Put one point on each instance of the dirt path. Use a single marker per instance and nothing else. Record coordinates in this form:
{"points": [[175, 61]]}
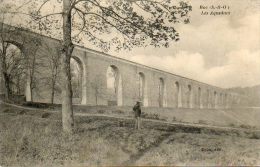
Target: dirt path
{"points": [[135, 157], [145, 120]]}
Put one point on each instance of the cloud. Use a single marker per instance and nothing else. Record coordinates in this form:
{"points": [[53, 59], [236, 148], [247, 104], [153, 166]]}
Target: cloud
{"points": [[218, 36], [241, 69], [221, 51]]}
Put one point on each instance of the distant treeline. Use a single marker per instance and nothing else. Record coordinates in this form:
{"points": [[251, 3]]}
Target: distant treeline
{"points": [[252, 94]]}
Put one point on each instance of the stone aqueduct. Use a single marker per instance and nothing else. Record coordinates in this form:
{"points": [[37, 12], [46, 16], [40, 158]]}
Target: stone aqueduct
{"points": [[133, 81]]}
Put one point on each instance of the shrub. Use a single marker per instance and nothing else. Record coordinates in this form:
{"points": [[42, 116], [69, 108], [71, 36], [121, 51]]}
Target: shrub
{"points": [[7, 110], [151, 116], [246, 126], [232, 125], [46, 115], [144, 115], [121, 123], [254, 135], [202, 122], [101, 111], [118, 111], [22, 112], [174, 119]]}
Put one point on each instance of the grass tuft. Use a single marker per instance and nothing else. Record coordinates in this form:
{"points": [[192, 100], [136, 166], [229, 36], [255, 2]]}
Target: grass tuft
{"points": [[46, 115]]}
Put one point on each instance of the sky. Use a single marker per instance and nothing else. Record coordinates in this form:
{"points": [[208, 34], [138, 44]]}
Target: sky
{"points": [[222, 50]]}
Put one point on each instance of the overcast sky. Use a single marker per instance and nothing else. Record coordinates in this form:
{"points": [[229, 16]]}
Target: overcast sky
{"points": [[219, 50]]}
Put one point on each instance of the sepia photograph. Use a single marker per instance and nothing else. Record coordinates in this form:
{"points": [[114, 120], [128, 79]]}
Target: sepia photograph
{"points": [[129, 83]]}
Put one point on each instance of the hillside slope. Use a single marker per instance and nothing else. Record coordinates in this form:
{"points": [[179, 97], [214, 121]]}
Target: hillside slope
{"points": [[252, 94], [33, 138]]}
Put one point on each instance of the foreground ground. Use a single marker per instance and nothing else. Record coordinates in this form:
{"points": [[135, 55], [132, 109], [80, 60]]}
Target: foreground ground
{"points": [[33, 138]]}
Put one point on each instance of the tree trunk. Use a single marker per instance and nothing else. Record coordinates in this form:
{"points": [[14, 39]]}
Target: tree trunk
{"points": [[4, 72], [32, 75], [7, 87], [53, 83], [18, 85], [96, 93], [31, 90], [67, 48]]}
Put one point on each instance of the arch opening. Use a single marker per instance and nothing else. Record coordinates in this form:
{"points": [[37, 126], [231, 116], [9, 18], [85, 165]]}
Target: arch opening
{"points": [[76, 70], [114, 86], [161, 93], [13, 71], [220, 100], [225, 101], [215, 100], [208, 99], [199, 98], [142, 89], [189, 97], [178, 95]]}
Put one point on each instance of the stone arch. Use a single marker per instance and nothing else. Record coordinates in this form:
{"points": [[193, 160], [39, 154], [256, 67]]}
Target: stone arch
{"points": [[208, 99], [220, 100], [142, 89], [228, 101], [178, 95], [17, 79], [114, 86], [162, 93], [189, 97], [17, 44], [215, 102], [225, 101], [199, 98], [27, 49], [79, 90]]}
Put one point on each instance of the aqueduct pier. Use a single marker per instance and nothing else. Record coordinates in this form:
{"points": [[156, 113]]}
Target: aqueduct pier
{"points": [[132, 81]]}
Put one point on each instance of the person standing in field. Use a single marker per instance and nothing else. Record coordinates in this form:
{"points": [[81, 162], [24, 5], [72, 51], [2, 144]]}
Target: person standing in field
{"points": [[137, 112]]}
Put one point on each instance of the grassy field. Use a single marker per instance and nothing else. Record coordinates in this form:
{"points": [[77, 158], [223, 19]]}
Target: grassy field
{"points": [[232, 117], [34, 138]]}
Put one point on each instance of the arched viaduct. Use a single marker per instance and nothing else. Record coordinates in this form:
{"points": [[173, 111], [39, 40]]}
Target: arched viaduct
{"points": [[131, 81]]}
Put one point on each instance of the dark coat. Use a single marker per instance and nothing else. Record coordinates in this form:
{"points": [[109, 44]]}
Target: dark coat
{"points": [[137, 110]]}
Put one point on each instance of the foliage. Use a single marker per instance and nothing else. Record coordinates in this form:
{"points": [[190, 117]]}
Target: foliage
{"points": [[121, 24]]}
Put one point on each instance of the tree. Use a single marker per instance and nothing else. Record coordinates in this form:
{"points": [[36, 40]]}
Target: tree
{"points": [[97, 86], [54, 64], [51, 56], [13, 70], [32, 65], [130, 23]]}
